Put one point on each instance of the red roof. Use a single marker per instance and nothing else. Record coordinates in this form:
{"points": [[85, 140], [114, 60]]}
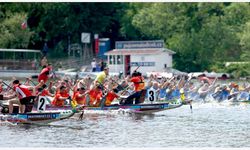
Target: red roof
{"points": [[134, 51]]}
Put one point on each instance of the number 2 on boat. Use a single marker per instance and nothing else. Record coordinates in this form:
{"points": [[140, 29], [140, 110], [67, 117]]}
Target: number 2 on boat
{"points": [[41, 106]]}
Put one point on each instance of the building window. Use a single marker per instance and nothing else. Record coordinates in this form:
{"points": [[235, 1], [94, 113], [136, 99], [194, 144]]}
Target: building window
{"points": [[110, 60], [113, 59], [119, 59], [165, 66]]}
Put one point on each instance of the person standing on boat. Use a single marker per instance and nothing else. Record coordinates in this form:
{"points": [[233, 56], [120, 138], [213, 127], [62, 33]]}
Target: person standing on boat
{"points": [[24, 94], [101, 76], [139, 90], [93, 65], [45, 73]]}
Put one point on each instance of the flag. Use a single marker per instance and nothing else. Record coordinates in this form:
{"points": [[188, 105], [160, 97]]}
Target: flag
{"points": [[24, 25]]}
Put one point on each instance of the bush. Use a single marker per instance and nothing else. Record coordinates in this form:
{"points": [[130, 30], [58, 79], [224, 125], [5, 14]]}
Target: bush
{"points": [[236, 70]]}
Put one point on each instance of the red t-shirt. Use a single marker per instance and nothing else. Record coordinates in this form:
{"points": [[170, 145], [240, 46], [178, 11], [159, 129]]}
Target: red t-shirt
{"points": [[79, 100], [110, 97], [138, 83], [44, 75], [56, 101], [95, 95], [22, 91]]}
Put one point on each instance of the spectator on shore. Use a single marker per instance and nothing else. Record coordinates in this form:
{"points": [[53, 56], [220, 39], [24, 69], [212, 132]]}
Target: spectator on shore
{"points": [[45, 49], [93, 65], [44, 62], [102, 65]]}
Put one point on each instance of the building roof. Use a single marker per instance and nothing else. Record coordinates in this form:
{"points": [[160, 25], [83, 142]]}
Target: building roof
{"points": [[20, 50], [138, 51]]}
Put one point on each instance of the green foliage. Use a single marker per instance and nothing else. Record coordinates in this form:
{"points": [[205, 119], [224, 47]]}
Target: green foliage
{"points": [[203, 35], [239, 70], [11, 34], [244, 42]]}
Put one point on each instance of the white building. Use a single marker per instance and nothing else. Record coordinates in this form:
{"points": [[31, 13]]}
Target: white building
{"points": [[146, 56]]}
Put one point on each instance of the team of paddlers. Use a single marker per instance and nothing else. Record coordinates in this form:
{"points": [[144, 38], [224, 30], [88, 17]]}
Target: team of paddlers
{"points": [[104, 89]]}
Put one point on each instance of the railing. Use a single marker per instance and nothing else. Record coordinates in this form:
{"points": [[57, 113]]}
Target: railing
{"points": [[24, 64], [21, 64]]}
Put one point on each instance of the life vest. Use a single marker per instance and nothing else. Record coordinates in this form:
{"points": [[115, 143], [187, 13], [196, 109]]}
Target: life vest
{"points": [[79, 100], [22, 91], [110, 97], [138, 82], [57, 102], [94, 97]]}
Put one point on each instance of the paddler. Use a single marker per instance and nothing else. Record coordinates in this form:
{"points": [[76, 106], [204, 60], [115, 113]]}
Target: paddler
{"points": [[61, 96], [79, 96], [139, 84], [95, 96], [45, 73], [111, 96], [25, 97]]}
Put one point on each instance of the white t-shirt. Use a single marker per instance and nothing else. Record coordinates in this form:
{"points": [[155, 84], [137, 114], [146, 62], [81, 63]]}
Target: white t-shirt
{"points": [[93, 64]]}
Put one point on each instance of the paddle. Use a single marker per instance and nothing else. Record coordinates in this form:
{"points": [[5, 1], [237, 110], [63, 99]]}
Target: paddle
{"points": [[81, 116], [32, 82], [103, 99], [190, 102], [8, 85], [183, 100], [137, 68]]}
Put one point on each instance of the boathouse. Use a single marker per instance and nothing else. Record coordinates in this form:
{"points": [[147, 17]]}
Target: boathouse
{"points": [[146, 56]]}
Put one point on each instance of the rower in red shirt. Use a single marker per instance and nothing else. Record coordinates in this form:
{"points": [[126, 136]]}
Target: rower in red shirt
{"points": [[45, 73], [110, 97], [60, 97], [95, 96], [24, 95], [80, 96]]}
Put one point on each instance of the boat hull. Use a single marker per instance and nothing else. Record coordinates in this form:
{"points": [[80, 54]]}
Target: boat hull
{"points": [[138, 108], [37, 117]]}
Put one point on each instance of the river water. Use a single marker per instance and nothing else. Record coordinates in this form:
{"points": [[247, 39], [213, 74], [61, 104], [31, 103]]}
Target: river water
{"points": [[209, 125]]}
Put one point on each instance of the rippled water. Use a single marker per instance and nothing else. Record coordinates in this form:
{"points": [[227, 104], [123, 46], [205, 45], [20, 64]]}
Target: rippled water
{"points": [[210, 125]]}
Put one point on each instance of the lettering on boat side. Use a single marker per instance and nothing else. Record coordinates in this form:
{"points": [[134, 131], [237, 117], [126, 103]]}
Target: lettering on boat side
{"points": [[47, 116]]}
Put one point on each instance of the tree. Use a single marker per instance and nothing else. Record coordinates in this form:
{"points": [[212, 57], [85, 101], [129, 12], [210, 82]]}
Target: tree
{"points": [[11, 33], [245, 42]]}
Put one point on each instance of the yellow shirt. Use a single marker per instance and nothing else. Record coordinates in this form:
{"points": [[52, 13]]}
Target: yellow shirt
{"points": [[100, 77]]}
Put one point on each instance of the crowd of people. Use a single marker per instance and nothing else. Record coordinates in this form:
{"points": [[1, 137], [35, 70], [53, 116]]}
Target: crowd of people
{"points": [[104, 89]]}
